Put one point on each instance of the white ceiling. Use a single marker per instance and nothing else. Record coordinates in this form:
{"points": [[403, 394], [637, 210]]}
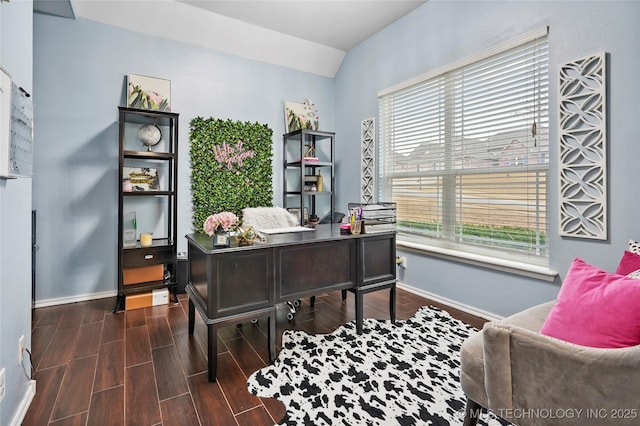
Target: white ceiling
{"points": [[308, 35], [338, 24]]}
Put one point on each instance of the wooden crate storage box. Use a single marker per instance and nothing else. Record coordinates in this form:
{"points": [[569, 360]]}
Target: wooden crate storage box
{"points": [[138, 300], [143, 274], [159, 296]]}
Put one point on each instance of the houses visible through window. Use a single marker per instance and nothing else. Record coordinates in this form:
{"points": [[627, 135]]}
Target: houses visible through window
{"points": [[464, 152]]}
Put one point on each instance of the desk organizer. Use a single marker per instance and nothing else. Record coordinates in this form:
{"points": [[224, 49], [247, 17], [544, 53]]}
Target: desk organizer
{"points": [[377, 217]]}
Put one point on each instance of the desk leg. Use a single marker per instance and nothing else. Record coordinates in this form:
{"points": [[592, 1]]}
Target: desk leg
{"points": [[359, 310], [392, 304], [192, 316], [212, 350], [271, 336]]}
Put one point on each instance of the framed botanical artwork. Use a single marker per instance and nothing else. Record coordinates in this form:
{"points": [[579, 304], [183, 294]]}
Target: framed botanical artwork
{"points": [[300, 115], [148, 93]]}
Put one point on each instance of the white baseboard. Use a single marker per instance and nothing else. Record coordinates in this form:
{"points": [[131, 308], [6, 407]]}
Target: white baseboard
{"points": [[74, 299], [24, 404], [461, 306]]}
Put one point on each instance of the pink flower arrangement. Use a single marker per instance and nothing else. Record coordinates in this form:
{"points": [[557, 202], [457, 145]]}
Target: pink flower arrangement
{"points": [[225, 220]]}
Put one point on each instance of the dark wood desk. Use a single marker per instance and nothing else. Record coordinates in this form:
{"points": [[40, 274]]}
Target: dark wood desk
{"points": [[237, 284]]}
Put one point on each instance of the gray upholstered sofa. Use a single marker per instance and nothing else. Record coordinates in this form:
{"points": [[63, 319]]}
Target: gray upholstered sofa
{"points": [[532, 379]]}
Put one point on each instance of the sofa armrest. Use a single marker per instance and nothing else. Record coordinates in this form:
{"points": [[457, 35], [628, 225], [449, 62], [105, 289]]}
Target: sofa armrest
{"points": [[527, 370]]}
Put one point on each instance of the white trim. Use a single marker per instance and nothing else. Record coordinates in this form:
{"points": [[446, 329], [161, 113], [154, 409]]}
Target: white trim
{"points": [[460, 306], [24, 404], [524, 38], [74, 299], [511, 266]]}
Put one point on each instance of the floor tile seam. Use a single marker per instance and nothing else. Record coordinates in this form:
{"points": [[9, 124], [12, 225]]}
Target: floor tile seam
{"points": [[175, 396], [265, 362], [57, 398], [70, 416], [95, 392], [251, 409]]}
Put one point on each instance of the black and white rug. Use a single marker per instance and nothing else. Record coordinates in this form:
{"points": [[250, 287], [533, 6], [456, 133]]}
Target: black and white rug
{"points": [[402, 374]]}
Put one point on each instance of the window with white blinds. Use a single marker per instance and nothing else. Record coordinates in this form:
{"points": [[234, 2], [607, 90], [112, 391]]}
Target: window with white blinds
{"points": [[464, 153]]}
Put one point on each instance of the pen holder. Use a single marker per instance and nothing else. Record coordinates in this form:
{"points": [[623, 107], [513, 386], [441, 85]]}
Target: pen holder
{"points": [[357, 227]]}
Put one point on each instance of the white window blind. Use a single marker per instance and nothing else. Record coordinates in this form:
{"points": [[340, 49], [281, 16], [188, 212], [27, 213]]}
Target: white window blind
{"points": [[464, 153]]}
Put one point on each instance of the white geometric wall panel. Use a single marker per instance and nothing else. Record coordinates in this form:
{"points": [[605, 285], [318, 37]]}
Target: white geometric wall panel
{"points": [[367, 161], [583, 148]]}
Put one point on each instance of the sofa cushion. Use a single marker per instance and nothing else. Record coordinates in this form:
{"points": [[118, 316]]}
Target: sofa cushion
{"points": [[630, 262], [596, 309], [634, 274], [634, 247]]}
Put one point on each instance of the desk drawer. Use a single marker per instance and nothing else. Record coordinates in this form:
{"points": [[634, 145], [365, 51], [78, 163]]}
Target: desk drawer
{"points": [[147, 256]]}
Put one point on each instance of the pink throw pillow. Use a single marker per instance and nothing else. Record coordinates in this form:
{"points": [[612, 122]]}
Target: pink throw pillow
{"points": [[596, 309], [630, 262]]}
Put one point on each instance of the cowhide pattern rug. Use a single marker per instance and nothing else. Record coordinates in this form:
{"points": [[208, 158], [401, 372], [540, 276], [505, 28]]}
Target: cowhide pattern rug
{"points": [[402, 374]]}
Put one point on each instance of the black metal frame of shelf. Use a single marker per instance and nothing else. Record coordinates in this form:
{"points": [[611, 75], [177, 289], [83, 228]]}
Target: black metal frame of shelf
{"points": [[164, 248], [314, 138]]}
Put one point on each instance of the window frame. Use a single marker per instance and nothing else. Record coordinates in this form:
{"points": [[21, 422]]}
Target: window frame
{"points": [[536, 265]]}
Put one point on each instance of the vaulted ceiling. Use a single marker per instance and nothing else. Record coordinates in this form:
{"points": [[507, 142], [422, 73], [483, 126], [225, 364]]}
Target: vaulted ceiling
{"points": [[308, 35]]}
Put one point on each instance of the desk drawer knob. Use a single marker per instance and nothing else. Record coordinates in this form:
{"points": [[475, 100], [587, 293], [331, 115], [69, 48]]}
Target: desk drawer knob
{"points": [[148, 256]]}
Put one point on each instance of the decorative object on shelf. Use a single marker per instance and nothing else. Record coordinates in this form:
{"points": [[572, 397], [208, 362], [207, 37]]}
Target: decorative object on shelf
{"points": [[583, 148], [218, 225], [310, 183], [148, 93], [150, 135], [146, 240], [129, 229], [367, 159], [214, 146], [245, 236], [310, 153], [300, 115], [141, 178], [127, 186]]}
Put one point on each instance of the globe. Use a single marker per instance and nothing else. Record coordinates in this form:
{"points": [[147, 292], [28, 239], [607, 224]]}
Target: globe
{"points": [[149, 135]]}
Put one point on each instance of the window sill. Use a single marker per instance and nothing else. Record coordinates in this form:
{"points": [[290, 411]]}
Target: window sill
{"points": [[514, 267]]}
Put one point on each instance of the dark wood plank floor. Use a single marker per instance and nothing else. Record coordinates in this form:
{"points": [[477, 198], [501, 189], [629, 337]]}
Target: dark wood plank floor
{"points": [[141, 367]]}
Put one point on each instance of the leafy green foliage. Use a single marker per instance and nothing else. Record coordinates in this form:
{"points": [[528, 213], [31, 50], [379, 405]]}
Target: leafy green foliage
{"points": [[496, 233], [217, 186]]}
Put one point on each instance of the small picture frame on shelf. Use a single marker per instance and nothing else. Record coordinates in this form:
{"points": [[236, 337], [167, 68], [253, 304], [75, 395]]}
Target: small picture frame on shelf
{"points": [[139, 179], [150, 93]]}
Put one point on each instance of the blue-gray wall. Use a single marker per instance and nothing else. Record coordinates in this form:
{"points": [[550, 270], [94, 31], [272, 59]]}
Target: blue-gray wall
{"points": [[79, 76], [15, 226], [441, 32]]}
